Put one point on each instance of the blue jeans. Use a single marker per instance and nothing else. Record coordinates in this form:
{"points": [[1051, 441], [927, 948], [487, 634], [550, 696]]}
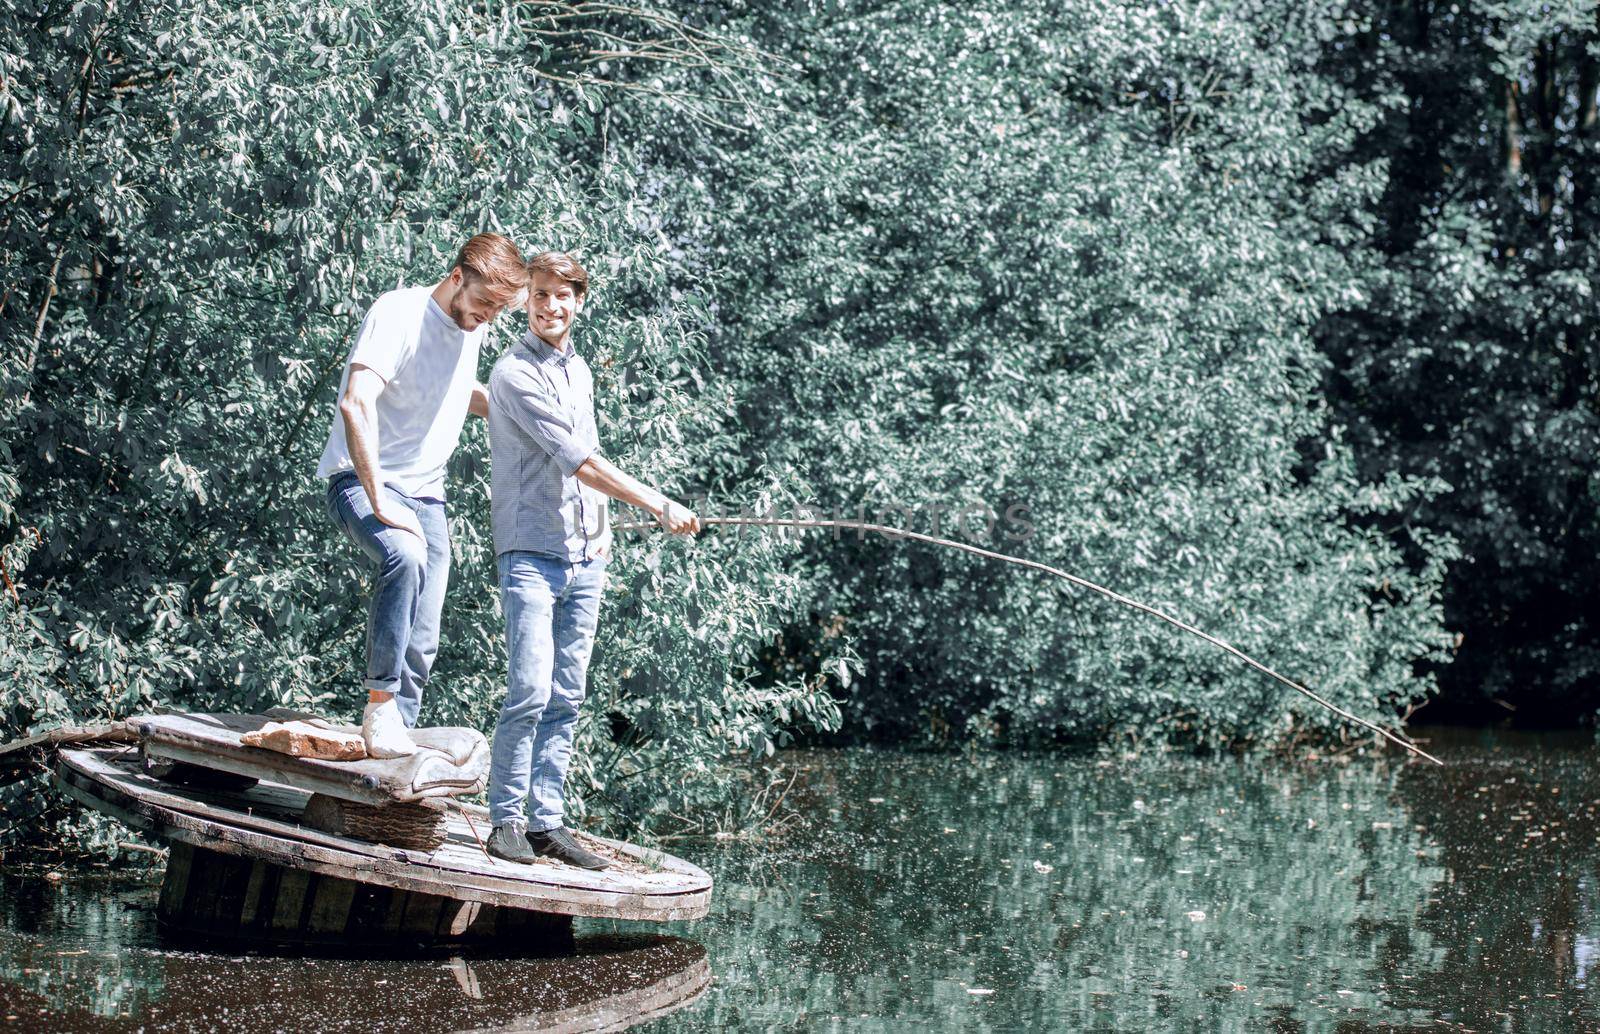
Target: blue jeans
{"points": [[552, 610], [409, 580]]}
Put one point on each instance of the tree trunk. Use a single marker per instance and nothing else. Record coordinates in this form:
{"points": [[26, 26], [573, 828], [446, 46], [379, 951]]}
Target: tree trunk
{"points": [[38, 326], [1513, 152], [1586, 143]]}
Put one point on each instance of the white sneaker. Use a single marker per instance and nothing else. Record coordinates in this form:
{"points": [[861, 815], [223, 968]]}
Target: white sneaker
{"points": [[384, 731]]}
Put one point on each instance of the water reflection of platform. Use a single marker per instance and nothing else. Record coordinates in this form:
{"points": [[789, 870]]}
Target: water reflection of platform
{"points": [[607, 983], [243, 865]]}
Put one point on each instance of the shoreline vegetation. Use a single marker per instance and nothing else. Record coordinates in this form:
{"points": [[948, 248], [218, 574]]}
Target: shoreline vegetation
{"points": [[1278, 317]]}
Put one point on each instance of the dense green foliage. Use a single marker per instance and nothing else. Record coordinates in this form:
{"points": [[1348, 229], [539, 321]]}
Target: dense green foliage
{"points": [[1472, 353], [1065, 260], [1073, 259], [204, 200]]}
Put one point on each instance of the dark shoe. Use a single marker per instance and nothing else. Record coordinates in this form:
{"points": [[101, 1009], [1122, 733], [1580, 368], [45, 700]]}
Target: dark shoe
{"points": [[510, 842], [559, 844]]}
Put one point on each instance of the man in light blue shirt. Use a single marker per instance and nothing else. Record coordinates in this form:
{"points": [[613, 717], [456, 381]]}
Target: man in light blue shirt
{"points": [[550, 487]]}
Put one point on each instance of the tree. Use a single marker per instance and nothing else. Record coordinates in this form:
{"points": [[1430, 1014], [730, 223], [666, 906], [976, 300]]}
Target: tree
{"points": [[1057, 258], [1468, 350]]}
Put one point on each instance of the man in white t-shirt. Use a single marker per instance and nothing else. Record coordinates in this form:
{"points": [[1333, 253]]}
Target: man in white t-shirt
{"points": [[408, 385]]}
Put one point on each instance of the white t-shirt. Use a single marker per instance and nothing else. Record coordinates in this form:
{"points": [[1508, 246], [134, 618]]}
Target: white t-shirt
{"points": [[430, 367]]}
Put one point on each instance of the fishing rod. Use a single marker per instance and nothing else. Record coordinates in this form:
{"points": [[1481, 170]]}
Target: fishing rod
{"points": [[1145, 608]]}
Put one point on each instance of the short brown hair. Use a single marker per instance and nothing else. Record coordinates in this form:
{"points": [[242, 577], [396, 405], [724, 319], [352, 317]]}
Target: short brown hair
{"points": [[494, 261], [562, 265]]}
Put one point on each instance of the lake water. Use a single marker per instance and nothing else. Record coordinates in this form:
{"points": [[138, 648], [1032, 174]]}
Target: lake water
{"points": [[994, 892]]}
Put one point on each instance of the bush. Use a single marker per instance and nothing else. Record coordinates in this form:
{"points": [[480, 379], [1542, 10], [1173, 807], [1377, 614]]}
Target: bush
{"points": [[1068, 258]]}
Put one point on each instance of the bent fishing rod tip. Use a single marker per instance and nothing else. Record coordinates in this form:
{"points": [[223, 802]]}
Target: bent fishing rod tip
{"points": [[1084, 583]]}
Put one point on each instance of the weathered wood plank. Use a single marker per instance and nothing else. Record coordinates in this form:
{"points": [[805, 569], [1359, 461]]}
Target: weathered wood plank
{"points": [[114, 732], [289, 909], [21, 758], [457, 918], [330, 908], [110, 791], [212, 741], [263, 886], [233, 884], [175, 884], [394, 914], [199, 893], [422, 915], [271, 883], [349, 787]]}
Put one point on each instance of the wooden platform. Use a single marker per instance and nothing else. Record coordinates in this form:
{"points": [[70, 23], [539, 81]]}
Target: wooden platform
{"points": [[456, 763], [261, 824]]}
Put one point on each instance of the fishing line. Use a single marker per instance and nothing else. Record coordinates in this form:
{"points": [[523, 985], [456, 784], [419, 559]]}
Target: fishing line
{"points": [[882, 529]]}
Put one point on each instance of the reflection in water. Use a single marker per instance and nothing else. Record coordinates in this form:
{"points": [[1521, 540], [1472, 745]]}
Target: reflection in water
{"points": [[999, 892], [1050, 893], [85, 956]]}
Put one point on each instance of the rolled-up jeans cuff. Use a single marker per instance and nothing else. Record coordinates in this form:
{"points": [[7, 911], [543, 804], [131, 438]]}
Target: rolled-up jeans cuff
{"points": [[407, 701]]}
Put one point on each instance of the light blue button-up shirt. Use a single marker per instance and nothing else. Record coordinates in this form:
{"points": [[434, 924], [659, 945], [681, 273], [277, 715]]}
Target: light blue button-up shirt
{"points": [[541, 429]]}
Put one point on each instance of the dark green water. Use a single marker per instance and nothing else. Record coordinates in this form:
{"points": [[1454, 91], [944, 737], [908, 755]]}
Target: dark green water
{"points": [[996, 893]]}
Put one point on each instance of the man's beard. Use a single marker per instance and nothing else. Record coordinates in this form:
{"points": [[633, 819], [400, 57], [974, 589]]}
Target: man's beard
{"points": [[550, 335]]}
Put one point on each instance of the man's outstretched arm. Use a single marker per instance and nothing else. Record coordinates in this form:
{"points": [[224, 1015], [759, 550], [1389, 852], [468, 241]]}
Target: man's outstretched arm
{"points": [[602, 475]]}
